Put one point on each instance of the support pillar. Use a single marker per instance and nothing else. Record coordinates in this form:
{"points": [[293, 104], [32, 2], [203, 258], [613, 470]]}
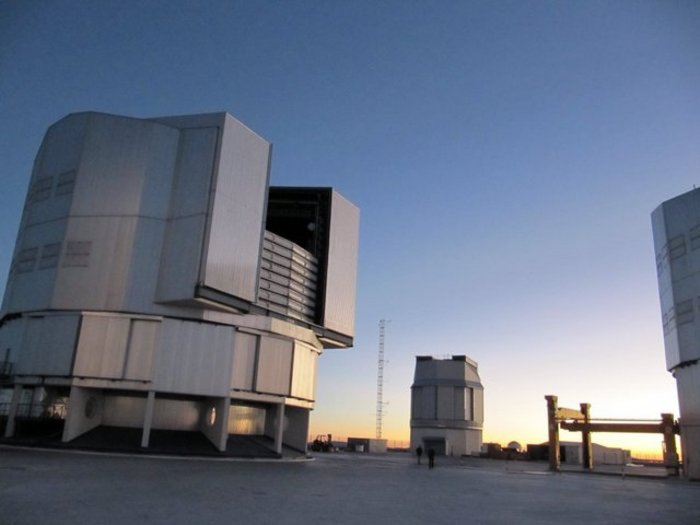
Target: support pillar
{"points": [[553, 427], [670, 453], [14, 405], [586, 442], [279, 431], [148, 419]]}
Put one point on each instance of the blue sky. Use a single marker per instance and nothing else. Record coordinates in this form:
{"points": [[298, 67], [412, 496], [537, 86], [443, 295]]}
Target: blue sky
{"points": [[505, 156]]}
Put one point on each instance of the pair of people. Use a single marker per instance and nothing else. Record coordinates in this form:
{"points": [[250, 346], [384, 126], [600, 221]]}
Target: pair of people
{"points": [[431, 456]]}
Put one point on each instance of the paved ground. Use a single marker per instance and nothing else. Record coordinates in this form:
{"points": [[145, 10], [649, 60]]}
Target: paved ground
{"points": [[60, 487]]}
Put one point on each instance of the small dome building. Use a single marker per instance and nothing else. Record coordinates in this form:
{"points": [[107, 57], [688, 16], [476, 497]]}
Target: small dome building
{"points": [[447, 406]]}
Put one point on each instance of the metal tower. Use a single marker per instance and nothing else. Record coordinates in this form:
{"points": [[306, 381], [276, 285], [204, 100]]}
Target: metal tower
{"points": [[380, 379]]}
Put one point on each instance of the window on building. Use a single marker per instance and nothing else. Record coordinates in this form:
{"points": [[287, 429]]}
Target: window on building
{"points": [[49, 255], [26, 260], [66, 182], [676, 247], [684, 312], [77, 253], [41, 189]]}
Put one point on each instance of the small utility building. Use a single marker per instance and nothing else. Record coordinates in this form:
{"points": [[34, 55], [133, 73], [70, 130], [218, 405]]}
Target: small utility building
{"points": [[447, 406]]}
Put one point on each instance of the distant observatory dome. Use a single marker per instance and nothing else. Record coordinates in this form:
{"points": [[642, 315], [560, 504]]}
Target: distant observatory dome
{"points": [[514, 445]]}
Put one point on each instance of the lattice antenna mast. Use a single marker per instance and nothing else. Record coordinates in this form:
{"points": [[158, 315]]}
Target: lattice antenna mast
{"points": [[380, 379]]}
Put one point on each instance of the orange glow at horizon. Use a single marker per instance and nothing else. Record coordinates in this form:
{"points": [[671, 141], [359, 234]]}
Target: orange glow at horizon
{"points": [[397, 433]]}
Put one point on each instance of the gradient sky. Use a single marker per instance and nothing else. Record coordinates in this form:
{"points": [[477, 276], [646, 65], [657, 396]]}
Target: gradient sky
{"points": [[505, 156]]}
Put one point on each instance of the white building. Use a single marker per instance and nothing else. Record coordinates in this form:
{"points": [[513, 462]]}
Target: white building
{"points": [[572, 453], [158, 283], [447, 406], [676, 226]]}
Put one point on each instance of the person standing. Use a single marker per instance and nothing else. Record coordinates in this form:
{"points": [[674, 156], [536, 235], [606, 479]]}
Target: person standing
{"points": [[431, 458], [419, 453]]}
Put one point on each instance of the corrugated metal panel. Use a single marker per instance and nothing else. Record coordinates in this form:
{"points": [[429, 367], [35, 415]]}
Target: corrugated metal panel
{"points": [[303, 286], [298, 274], [244, 355], [304, 372], [143, 341], [341, 274], [288, 279], [274, 366], [235, 227], [287, 301], [102, 347], [194, 358], [48, 345]]}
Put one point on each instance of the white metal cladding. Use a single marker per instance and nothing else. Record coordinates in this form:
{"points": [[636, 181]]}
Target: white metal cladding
{"points": [[159, 173], [459, 403], [144, 338], [427, 402], [31, 288], [102, 346], [478, 404], [180, 259], [113, 166], [193, 173], [187, 216], [194, 358], [341, 276], [445, 403], [304, 372], [144, 267], [47, 348], [676, 228], [244, 357], [274, 366], [95, 275], [237, 216], [62, 147]]}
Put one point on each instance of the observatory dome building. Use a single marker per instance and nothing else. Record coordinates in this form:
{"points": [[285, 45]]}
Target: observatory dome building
{"points": [[159, 286], [676, 228], [447, 406]]}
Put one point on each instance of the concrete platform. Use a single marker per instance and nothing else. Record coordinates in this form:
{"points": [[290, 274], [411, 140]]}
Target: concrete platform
{"points": [[62, 487]]}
